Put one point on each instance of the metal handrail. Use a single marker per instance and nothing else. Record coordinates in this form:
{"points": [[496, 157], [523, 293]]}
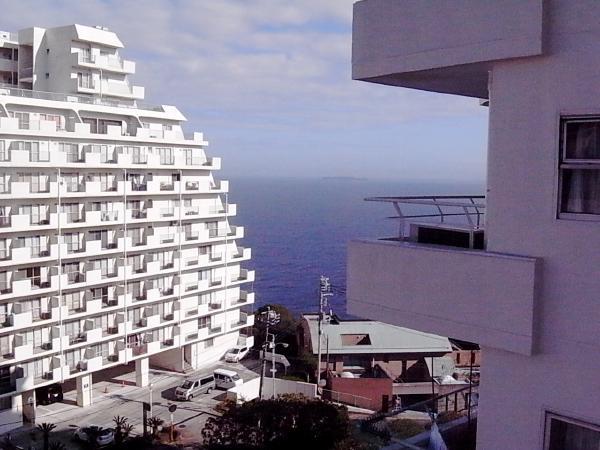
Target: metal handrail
{"points": [[470, 207], [72, 98]]}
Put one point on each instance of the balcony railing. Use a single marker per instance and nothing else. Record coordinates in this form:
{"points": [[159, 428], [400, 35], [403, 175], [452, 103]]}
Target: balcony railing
{"points": [[440, 220], [7, 89]]}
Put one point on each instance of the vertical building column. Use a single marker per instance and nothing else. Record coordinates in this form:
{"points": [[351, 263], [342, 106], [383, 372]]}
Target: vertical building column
{"points": [[16, 413], [84, 390], [142, 369]]}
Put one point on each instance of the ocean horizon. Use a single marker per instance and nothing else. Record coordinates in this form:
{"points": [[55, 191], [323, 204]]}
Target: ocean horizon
{"points": [[299, 229]]}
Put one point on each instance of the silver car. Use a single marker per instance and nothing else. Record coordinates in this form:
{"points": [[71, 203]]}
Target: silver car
{"points": [[195, 386]]}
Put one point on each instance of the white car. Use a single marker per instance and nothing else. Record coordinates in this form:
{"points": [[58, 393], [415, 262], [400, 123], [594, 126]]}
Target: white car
{"points": [[236, 353], [106, 436]]}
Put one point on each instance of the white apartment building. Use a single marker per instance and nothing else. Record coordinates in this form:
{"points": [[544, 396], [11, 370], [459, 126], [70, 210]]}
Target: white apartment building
{"points": [[115, 238], [523, 279]]}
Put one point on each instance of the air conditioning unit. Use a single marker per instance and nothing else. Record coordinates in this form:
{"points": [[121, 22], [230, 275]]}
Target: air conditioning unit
{"points": [[452, 235]]}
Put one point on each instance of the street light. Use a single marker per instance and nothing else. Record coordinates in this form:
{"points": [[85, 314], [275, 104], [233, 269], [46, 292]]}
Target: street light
{"points": [[150, 387]]}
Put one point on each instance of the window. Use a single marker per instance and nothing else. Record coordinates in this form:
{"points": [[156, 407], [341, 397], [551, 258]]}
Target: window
{"points": [[72, 212], [100, 126], [38, 181], [85, 80], [32, 242], [35, 155], [106, 155], [209, 343], [138, 155], [166, 156], [203, 322], [105, 266], [53, 118], [579, 167], [3, 249], [71, 180], [107, 182], [36, 213], [72, 151], [34, 275], [100, 293], [73, 242], [4, 183], [563, 433], [22, 117], [4, 154], [73, 301], [3, 281]]}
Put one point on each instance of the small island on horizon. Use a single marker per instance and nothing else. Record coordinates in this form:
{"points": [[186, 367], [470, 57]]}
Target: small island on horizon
{"points": [[344, 179]]}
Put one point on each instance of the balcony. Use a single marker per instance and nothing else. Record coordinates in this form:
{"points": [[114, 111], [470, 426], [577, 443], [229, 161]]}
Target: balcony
{"points": [[443, 49], [436, 276], [75, 277], [109, 63], [83, 99]]}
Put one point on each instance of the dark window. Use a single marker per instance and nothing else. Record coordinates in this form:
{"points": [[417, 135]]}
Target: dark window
{"points": [[580, 166], [569, 434]]}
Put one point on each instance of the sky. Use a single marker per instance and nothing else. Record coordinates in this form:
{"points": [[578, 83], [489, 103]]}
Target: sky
{"points": [[269, 83]]}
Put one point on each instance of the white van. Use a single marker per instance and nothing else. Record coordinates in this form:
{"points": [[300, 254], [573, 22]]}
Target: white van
{"points": [[196, 386], [226, 379]]}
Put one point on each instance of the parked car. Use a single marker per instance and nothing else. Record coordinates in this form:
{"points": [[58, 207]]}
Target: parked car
{"points": [[226, 379], [195, 386], [106, 436], [236, 353], [49, 394]]}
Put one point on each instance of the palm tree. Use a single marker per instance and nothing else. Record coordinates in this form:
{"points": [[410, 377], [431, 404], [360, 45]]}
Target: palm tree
{"points": [[46, 429], [154, 423], [7, 443], [122, 429], [57, 446]]}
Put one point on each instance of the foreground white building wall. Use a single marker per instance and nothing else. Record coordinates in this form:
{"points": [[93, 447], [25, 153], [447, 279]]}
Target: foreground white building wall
{"points": [[538, 63]]}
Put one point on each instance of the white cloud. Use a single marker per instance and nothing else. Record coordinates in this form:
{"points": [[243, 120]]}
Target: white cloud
{"points": [[269, 64]]}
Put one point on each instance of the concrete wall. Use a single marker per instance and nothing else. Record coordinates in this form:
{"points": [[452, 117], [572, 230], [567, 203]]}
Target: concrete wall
{"points": [[400, 42], [361, 392], [527, 98], [471, 295], [250, 389]]}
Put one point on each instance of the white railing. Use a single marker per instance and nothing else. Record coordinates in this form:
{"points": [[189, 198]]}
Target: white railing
{"points": [[467, 210], [7, 89]]}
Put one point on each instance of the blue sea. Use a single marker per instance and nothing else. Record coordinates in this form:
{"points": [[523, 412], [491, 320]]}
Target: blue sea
{"points": [[298, 229]]}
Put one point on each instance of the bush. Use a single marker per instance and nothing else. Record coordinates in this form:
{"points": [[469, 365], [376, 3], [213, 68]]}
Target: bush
{"points": [[289, 421], [293, 378], [405, 428], [448, 416]]}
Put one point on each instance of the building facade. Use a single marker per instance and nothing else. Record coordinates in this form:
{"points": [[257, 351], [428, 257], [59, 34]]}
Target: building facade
{"points": [[522, 281], [115, 238]]}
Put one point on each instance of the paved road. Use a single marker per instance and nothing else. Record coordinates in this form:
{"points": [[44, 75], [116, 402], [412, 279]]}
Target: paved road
{"points": [[111, 399]]}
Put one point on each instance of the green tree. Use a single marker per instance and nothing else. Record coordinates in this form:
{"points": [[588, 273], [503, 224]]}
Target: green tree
{"points": [[46, 429], [289, 421]]}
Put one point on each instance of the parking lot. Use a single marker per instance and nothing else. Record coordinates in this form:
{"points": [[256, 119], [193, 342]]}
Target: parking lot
{"points": [[115, 394]]}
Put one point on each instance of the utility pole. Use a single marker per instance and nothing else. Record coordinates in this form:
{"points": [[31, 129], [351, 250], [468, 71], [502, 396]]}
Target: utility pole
{"points": [[269, 317], [324, 293]]}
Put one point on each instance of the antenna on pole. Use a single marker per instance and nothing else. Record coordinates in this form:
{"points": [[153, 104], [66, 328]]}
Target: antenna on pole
{"points": [[324, 315]]}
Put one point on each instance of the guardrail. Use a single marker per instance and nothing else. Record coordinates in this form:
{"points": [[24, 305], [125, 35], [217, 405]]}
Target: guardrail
{"points": [[7, 89], [469, 208]]}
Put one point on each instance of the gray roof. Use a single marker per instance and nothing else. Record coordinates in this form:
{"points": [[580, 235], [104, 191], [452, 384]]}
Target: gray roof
{"points": [[383, 338]]}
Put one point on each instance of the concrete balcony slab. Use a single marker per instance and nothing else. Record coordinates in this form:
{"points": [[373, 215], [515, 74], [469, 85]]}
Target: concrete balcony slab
{"points": [[473, 295]]}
